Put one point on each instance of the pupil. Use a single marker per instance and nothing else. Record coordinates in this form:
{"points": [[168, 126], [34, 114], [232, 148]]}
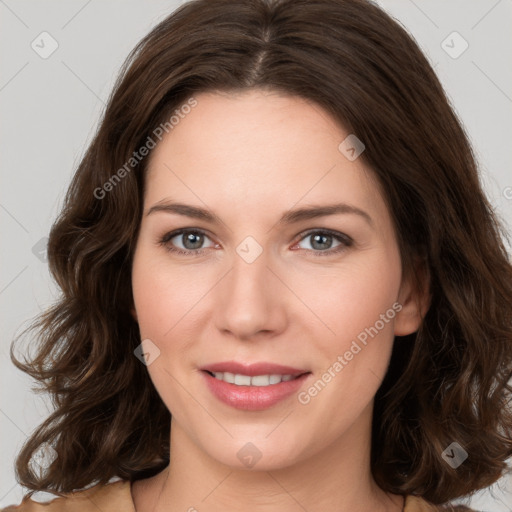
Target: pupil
{"points": [[321, 237], [190, 238]]}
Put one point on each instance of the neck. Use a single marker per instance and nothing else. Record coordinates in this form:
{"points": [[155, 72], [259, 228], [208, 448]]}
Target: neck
{"points": [[334, 480]]}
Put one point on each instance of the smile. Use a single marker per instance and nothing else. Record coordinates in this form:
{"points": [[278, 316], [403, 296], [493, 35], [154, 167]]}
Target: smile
{"points": [[257, 380], [253, 392]]}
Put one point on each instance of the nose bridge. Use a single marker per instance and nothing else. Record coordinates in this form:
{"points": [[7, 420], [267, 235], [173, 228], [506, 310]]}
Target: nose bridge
{"points": [[250, 275], [248, 302]]}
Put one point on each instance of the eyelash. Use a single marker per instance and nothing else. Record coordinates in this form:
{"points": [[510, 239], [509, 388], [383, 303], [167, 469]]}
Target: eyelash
{"points": [[345, 240]]}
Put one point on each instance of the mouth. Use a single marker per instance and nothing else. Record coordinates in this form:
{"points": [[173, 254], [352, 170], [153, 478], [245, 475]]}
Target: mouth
{"points": [[253, 392], [264, 380]]}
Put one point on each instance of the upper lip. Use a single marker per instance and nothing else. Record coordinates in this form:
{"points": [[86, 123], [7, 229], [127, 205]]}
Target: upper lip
{"points": [[261, 368]]}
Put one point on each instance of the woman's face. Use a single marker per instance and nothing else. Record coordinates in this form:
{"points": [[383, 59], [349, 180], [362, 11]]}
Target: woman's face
{"points": [[320, 294]]}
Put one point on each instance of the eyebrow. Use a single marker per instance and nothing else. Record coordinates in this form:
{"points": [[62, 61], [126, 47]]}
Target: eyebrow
{"points": [[289, 217]]}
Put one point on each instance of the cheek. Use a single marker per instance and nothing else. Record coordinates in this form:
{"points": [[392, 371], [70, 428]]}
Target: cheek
{"points": [[147, 295], [359, 353], [348, 299], [164, 299], [164, 294], [352, 361]]}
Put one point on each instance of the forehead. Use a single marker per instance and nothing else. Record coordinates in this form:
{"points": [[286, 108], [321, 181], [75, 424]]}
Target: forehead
{"points": [[258, 149]]}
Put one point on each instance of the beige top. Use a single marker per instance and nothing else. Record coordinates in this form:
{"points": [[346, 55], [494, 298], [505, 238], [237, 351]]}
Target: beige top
{"points": [[117, 497]]}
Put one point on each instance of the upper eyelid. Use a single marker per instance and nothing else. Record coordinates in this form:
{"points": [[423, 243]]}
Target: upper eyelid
{"points": [[299, 237]]}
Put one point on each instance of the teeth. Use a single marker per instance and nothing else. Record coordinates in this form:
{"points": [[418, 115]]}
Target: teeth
{"points": [[257, 380], [242, 380], [228, 377]]}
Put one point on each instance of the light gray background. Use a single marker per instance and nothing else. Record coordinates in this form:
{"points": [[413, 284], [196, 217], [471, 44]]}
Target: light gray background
{"points": [[50, 108]]}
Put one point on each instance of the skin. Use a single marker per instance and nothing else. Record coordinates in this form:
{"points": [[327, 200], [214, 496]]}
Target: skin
{"points": [[249, 158]]}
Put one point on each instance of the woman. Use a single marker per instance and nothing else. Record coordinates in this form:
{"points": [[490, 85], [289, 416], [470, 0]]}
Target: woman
{"points": [[282, 285]]}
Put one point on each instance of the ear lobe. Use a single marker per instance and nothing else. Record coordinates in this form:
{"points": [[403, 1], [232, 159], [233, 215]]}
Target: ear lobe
{"points": [[415, 298]]}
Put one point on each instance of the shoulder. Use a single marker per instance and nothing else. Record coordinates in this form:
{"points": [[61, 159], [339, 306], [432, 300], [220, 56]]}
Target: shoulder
{"points": [[110, 497], [417, 504]]}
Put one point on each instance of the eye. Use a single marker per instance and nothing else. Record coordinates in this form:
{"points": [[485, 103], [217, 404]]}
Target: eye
{"points": [[192, 240], [322, 240]]}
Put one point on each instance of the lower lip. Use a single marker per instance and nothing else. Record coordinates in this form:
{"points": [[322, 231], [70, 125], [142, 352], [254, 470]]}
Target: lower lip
{"points": [[252, 398]]}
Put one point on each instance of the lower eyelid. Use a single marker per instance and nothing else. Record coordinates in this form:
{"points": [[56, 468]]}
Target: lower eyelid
{"points": [[344, 241]]}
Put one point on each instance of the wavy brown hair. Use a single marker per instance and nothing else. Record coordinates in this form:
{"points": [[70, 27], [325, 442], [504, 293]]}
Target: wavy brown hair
{"points": [[447, 382]]}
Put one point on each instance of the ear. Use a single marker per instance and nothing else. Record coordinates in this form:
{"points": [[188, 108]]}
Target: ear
{"points": [[134, 313], [415, 298]]}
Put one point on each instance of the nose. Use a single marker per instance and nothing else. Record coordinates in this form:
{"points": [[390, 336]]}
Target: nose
{"points": [[251, 300]]}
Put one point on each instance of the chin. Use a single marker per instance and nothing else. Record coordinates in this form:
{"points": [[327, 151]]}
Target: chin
{"points": [[256, 453]]}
